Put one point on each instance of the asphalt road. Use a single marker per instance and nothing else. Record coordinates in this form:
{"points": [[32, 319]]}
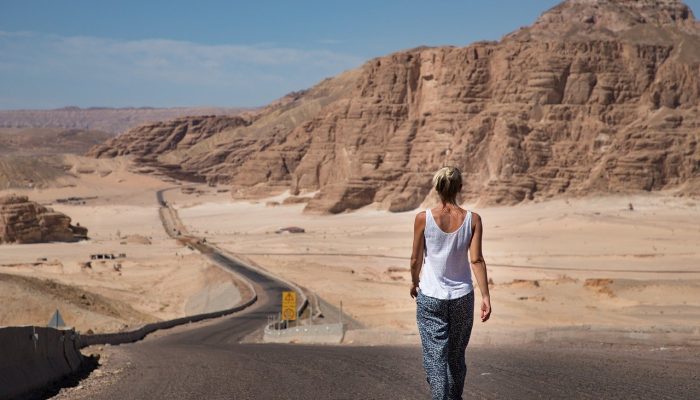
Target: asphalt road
{"points": [[209, 362], [219, 368]]}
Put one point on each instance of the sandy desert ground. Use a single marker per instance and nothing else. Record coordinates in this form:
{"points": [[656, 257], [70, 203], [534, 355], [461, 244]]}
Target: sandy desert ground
{"points": [[159, 278], [559, 269]]}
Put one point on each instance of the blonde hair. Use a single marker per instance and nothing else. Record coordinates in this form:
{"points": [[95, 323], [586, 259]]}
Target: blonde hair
{"points": [[447, 181]]}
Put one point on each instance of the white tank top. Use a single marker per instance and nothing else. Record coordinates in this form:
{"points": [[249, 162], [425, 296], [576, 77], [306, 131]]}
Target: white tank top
{"points": [[446, 274]]}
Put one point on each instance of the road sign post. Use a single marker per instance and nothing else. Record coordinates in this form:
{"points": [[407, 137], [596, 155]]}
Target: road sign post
{"points": [[289, 306]]}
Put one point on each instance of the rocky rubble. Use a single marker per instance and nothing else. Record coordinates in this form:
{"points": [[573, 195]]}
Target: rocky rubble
{"points": [[597, 96], [24, 221]]}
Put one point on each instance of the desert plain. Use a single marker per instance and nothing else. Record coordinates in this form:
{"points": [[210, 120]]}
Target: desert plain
{"points": [[158, 279], [604, 269]]}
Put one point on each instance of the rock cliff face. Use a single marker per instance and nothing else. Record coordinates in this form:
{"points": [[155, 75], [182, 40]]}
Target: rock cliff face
{"points": [[150, 140], [596, 96], [24, 221]]}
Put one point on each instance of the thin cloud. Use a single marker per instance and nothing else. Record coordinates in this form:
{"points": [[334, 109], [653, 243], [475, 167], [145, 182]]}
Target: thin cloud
{"points": [[266, 70], [6, 34]]}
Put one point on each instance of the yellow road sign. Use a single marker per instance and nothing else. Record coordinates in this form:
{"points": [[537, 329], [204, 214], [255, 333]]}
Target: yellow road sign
{"points": [[289, 306]]}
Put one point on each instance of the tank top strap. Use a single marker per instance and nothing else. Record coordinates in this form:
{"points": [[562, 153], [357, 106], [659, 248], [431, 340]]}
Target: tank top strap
{"points": [[428, 216]]}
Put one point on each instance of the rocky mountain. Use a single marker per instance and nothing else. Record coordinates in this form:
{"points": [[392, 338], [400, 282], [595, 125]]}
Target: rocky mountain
{"points": [[24, 221], [596, 96], [150, 140]]}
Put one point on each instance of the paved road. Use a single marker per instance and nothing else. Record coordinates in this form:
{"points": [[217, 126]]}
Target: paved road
{"points": [[211, 365], [209, 362]]}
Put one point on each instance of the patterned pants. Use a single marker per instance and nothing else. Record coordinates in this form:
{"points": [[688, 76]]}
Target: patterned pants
{"points": [[445, 327]]}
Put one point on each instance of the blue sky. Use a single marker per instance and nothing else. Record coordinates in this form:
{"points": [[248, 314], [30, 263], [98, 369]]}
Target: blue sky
{"points": [[219, 53]]}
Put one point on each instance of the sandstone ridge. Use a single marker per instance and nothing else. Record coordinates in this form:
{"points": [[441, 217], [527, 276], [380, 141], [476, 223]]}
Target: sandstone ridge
{"points": [[152, 139], [597, 96], [24, 221]]}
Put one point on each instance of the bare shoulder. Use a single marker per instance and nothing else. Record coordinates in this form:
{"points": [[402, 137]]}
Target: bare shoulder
{"points": [[476, 220], [420, 220]]}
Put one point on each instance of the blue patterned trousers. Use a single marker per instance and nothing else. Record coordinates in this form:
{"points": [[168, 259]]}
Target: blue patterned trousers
{"points": [[445, 327]]}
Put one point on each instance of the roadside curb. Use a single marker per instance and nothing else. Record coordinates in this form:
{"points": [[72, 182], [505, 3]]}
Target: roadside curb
{"points": [[252, 265], [117, 338]]}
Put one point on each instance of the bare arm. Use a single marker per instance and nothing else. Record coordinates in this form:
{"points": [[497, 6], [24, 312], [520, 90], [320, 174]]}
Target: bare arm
{"points": [[417, 252], [479, 267]]}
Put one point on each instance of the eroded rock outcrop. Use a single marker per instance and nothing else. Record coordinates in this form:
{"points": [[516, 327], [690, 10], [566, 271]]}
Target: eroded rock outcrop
{"points": [[150, 140], [596, 96], [24, 221]]}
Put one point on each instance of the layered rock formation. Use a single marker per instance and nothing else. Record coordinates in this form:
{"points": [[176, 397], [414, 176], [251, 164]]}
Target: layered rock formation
{"points": [[150, 140], [596, 96], [24, 221]]}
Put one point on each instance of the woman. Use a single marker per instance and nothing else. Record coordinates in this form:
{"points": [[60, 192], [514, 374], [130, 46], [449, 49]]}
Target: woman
{"points": [[442, 284]]}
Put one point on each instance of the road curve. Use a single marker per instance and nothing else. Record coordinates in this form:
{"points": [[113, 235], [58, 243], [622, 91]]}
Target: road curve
{"points": [[209, 362]]}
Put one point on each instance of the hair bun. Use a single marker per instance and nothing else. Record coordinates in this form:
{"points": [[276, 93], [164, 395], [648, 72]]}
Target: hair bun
{"points": [[447, 181]]}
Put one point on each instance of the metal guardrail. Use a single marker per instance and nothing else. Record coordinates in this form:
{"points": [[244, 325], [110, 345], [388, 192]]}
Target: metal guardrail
{"points": [[303, 304], [56, 352], [175, 229], [32, 357], [140, 333]]}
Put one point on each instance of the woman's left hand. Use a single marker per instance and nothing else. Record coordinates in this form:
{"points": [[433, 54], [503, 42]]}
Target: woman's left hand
{"points": [[485, 308]]}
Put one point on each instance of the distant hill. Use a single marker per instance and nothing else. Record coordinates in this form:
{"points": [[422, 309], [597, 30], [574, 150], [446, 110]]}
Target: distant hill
{"points": [[34, 143], [109, 120], [597, 96], [48, 141]]}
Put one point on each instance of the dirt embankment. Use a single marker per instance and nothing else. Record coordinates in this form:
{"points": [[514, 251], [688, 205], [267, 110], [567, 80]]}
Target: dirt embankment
{"points": [[28, 299]]}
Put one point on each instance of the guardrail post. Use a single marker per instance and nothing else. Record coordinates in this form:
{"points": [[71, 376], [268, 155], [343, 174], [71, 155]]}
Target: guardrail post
{"points": [[35, 337]]}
